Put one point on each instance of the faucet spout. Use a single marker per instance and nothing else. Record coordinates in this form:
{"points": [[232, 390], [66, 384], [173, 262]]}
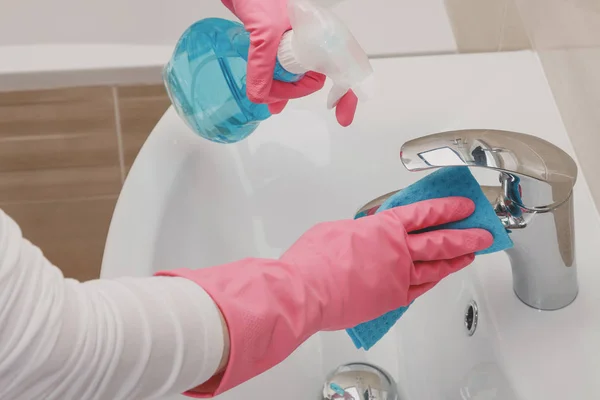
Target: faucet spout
{"points": [[534, 201]]}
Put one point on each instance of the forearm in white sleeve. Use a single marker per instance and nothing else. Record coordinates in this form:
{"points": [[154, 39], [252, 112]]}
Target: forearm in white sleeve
{"points": [[131, 338]]}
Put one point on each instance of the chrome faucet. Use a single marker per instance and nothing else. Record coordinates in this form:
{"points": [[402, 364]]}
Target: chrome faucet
{"points": [[534, 201]]}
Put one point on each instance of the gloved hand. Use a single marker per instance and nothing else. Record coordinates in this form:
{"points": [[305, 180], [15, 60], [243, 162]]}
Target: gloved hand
{"points": [[267, 21], [337, 275]]}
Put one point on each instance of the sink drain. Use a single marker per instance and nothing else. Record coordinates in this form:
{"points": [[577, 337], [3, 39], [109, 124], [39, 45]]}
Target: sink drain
{"points": [[471, 317]]}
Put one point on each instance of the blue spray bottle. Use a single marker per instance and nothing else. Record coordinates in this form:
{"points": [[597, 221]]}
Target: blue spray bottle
{"points": [[206, 76]]}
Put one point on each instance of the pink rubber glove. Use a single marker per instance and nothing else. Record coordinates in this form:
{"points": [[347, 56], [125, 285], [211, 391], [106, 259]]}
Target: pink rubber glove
{"points": [[337, 275], [267, 21]]}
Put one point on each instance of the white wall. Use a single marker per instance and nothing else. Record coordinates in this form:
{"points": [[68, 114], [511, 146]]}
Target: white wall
{"points": [[382, 26]]}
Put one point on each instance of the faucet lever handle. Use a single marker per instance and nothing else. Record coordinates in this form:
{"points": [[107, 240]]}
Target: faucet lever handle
{"points": [[513, 154]]}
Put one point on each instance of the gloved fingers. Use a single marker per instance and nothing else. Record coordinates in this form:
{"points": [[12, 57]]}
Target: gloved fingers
{"points": [[265, 35], [311, 82], [261, 64], [429, 213], [433, 271], [446, 244], [277, 107], [346, 108]]}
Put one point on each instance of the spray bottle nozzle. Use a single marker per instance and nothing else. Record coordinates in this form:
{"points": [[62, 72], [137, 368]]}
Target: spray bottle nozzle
{"points": [[320, 42]]}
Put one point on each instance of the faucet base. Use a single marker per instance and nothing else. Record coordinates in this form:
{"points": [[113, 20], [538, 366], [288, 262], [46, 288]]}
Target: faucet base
{"points": [[548, 306], [543, 259]]}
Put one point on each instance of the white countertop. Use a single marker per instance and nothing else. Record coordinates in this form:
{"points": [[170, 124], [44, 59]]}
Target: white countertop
{"points": [[50, 66]]}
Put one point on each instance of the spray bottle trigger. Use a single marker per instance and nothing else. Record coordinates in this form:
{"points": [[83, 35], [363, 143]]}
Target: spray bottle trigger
{"points": [[335, 95]]}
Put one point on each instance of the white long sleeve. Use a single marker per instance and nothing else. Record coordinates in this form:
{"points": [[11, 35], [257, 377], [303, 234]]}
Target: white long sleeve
{"points": [[132, 338]]}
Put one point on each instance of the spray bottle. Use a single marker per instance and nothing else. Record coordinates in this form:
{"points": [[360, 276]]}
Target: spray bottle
{"points": [[206, 76]]}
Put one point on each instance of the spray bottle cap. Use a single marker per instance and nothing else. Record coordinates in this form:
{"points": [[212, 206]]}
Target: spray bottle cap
{"points": [[319, 41]]}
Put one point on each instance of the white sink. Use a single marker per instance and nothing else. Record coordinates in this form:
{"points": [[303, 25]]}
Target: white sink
{"points": [[191, 203]]}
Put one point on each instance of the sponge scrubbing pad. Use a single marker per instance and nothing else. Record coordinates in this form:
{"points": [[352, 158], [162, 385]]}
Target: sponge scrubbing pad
{"points": [[446, 182]]}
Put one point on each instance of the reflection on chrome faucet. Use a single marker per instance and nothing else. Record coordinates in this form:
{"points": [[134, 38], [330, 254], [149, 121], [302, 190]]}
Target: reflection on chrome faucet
{"points": [[534, 200]]}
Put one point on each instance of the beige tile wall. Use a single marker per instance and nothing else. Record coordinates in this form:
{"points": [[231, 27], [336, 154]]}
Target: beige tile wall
{"points": [[561, 24], [63, 156], [566, 36], [487, 25]]}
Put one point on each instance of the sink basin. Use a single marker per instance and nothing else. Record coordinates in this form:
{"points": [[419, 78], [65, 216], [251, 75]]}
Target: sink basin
{"points": [[191, 203]]}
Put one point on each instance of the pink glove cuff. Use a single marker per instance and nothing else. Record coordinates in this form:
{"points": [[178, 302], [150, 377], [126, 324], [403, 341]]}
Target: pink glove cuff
{"points": [[265, 319]]}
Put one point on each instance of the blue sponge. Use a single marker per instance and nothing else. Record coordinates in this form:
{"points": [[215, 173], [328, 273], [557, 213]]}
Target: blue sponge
{"points": [[445, 182]]}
